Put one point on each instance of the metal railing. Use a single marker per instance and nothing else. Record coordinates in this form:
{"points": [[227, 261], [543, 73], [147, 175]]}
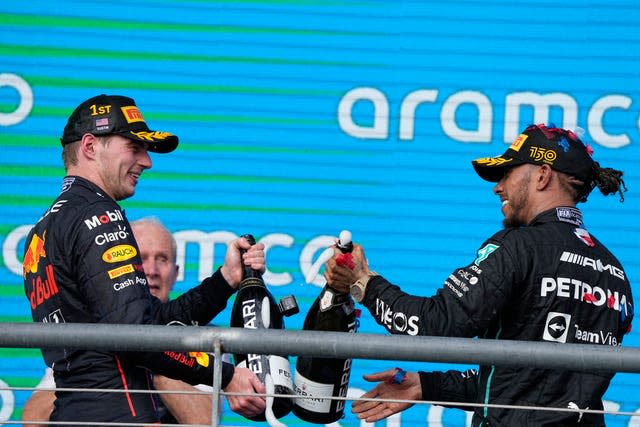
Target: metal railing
{"points": [[580, 357]]}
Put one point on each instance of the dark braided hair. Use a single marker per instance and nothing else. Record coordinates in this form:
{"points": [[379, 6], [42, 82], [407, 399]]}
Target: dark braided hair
{"points": [[608, 180]]}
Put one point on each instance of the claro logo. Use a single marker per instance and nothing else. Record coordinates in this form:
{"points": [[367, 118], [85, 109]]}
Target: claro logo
{"points": [[120, 234], [119, 253]]}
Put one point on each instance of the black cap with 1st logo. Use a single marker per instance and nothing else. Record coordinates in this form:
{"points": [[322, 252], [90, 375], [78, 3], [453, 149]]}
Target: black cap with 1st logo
{"points": [[115, 114]]}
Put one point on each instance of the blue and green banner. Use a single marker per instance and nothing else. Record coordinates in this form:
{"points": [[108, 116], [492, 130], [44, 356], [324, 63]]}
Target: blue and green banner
{"points": [[298, 119]]}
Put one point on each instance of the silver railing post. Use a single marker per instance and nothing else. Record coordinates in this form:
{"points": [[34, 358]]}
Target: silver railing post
{"points": [[217, 382]]}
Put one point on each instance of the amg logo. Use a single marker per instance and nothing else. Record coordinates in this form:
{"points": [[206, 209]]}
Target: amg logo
{"points": [[590, 262]]}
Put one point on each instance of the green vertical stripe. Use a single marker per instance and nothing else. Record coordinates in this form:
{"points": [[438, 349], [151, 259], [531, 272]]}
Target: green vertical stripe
{"points": [[490, 377]]}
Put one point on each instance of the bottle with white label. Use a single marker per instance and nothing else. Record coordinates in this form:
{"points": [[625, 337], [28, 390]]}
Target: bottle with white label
{"points": [[255, 308], [317, 377]]}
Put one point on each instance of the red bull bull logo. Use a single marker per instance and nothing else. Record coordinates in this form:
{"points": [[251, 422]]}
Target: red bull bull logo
{"points": [[33, 254], [201, 358]]}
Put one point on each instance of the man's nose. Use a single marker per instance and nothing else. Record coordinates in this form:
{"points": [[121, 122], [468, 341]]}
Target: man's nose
{"points": [[145, 160], [149, 266]]}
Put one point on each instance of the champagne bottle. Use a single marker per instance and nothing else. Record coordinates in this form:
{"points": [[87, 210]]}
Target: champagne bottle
{"points": [[316, 377], [255, 308]]}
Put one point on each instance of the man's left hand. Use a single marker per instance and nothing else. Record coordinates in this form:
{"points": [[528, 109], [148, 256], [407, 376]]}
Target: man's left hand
{"points": [[408, 388], [245, 381]]}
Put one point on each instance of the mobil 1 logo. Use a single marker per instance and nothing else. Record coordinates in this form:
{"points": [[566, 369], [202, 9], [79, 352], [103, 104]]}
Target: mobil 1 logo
{"points": [[556, 327]]}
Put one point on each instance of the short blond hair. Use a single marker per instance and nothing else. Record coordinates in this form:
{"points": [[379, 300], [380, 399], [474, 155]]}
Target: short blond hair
{"points": [[70, 151], [70, 154]]}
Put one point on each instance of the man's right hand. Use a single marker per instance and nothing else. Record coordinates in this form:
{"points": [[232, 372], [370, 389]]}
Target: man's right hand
{"points": [[245, 381], [341, 277]]}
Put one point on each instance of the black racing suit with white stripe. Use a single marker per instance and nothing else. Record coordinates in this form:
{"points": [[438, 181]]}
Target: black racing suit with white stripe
{"points": [[82, 265], [549, 281]]}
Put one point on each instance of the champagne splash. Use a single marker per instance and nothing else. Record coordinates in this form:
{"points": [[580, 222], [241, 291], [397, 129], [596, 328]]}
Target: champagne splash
{"points": [[343, 243], [268, 412]]}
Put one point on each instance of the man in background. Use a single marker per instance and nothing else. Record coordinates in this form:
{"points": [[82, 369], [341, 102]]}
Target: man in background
{"points": [[158, 252]]}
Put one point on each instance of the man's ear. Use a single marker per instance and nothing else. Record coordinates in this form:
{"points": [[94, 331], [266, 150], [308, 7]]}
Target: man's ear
{"points": [[543, 177], [176, 271], [88, 145]]}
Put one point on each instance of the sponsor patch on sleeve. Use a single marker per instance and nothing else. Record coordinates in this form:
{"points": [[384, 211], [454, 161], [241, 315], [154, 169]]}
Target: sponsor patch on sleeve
{"points": [[484, 252], [117, 272], [119, 253]]}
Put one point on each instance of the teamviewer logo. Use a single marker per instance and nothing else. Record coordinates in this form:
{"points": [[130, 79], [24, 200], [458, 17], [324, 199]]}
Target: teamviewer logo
{"points": [[557, 327]]}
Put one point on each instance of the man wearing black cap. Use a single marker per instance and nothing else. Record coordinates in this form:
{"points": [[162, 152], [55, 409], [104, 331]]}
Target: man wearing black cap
{"points": [[544, 277], [82, 265]]}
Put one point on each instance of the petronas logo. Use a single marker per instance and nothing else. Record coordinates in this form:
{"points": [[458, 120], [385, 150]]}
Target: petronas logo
{"points": [[493, 161]]}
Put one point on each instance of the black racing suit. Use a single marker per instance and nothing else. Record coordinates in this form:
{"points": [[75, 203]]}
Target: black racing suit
{"points": [[82, 265], [548, 281]]}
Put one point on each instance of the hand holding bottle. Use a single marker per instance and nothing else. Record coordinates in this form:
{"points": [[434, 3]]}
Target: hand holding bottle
{"points": [[255, 308], [245, 381], [316, 378], [340, 274], [241, 253]]}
